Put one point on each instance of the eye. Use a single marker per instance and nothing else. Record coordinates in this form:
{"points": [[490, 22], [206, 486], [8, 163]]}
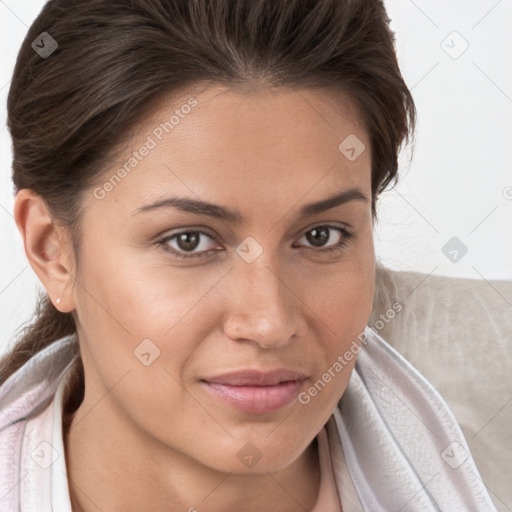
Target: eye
{"points": [[320, 236], [185, 242]]}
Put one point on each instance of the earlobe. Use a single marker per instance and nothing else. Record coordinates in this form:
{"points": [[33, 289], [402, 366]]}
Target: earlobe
{"points": [[46, 247]]}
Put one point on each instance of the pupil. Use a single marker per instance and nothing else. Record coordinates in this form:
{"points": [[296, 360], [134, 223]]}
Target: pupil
{"points": [[318, 236], [188, 241]]}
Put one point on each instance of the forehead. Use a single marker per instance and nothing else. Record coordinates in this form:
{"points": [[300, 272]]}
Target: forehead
{"points": [[241, 144]]}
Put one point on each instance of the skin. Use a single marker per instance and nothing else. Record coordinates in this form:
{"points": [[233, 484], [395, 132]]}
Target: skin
{"points": [[151, 437]]}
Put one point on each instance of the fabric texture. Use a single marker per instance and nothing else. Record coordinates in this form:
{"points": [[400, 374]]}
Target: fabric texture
{"points": [[32, 459], [401, 445], [458, 333]]}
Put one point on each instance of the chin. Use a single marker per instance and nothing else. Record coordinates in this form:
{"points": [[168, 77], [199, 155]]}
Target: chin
{"points": [[256, 452]]}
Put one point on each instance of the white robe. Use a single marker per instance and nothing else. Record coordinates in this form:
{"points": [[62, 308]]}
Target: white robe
{"points": [[394, 443]]}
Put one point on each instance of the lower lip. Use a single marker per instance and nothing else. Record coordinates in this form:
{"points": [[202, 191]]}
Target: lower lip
{"points": [[256, 399]]}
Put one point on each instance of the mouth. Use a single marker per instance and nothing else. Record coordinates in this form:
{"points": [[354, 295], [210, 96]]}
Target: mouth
{"points": [[256, 392]]}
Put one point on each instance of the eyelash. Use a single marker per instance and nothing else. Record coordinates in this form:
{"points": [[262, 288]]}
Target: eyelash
{"points": [[347, 236]]}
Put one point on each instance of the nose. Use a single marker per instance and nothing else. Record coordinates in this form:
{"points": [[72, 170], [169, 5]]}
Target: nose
{"points": [[262, 306]]}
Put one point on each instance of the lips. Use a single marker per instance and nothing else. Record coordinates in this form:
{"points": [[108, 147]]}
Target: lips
{"points": [[254, 391], [256, 378]]}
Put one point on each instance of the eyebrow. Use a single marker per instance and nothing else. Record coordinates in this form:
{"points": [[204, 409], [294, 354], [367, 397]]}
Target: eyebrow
{"points": [[234, 216]]}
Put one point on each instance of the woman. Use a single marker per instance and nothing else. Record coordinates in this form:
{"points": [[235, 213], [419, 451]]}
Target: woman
{"points": [[196, 187]]}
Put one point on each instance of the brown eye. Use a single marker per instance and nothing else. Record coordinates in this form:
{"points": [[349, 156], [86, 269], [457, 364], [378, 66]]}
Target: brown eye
{"points": [[188, 244], [320, 236], [188, 241]]}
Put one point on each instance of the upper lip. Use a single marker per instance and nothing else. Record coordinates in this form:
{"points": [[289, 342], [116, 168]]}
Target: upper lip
{"points": [[256, 377]]}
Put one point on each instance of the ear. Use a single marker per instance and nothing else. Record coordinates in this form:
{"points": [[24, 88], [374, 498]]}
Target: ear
{"points": [[48, 248]]}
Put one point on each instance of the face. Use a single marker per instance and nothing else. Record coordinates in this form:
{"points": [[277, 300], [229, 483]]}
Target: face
{"points": [[214, 332]]}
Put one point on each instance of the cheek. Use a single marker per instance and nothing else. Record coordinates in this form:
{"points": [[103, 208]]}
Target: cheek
{"points": [[342, 295], [137, 325], [131, 294], [342, 302], [135, 313]]}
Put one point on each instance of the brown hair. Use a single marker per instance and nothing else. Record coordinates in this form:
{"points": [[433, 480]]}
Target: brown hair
{"points": [[69, 112]]}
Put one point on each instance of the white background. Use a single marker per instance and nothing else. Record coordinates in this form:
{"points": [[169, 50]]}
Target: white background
{"points": [[459, 183]]}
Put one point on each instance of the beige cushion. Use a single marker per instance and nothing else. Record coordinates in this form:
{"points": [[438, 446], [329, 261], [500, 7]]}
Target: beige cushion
{"points": [[457, 333]]}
